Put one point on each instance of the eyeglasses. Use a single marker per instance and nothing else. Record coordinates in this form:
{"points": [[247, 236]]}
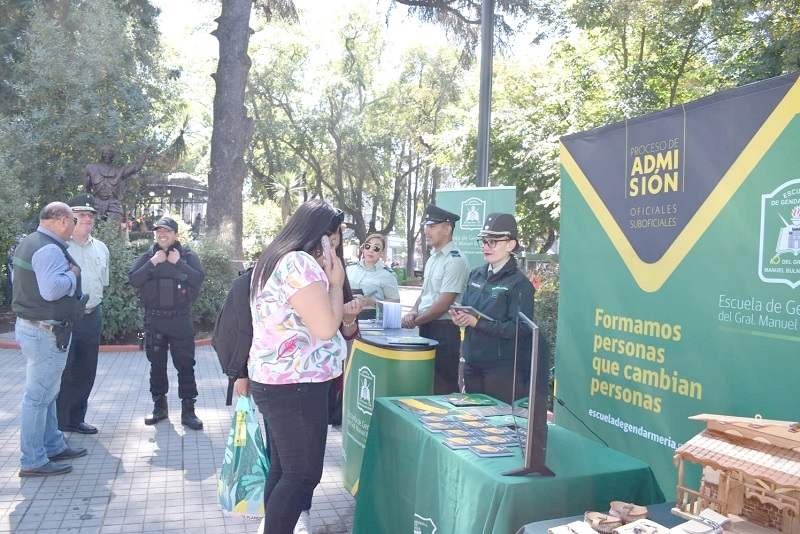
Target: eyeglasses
{"points": [[491, 243], [370, 246]]}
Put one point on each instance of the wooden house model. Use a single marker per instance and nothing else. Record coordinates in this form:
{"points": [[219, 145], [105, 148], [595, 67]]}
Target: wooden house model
{"points": [[751, 473]]}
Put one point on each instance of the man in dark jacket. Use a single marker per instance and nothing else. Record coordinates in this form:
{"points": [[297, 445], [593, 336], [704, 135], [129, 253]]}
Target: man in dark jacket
{"points": [[168, 278], [47, 300]]}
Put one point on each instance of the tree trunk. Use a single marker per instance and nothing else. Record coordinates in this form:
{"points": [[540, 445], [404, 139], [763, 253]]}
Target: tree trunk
{"points": [[232, 129]]}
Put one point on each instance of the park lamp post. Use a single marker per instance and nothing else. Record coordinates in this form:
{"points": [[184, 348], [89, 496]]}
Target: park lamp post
{"points": [[485, 94]]}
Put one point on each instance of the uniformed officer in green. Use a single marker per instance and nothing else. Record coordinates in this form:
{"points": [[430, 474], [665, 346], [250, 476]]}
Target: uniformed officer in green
{"points": [[444, 280]]}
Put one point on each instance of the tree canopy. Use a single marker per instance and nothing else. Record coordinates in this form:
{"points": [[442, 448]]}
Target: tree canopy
{"points": [[376, 141]]}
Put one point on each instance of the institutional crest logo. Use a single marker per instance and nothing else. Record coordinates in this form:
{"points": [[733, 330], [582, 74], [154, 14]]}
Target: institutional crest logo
{"points": [[424, 525], [779, 255], [366, 390], [473, 212]]}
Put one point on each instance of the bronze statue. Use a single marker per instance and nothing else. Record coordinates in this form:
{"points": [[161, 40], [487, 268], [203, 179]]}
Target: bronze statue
{"points": [[105, 181]]}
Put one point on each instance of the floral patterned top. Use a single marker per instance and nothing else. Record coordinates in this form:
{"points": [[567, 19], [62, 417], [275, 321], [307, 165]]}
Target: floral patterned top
{"points": [[284, 351]]}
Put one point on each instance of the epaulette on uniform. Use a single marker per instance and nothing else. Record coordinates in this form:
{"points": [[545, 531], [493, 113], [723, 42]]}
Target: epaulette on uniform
{"points": [[388, 269], [455, 253]]}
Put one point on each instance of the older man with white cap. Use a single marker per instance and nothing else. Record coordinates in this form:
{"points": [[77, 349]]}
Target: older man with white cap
{"points": [[78, 376]]}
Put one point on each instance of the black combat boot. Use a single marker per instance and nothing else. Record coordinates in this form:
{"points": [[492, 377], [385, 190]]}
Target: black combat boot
{"points": [[160, 411], [188, 418]]}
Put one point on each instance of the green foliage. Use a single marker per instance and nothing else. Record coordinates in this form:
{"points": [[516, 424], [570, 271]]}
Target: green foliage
{"points": [[5, 289], [80, 79], [121, 311], [261, 223], [216, 259], [545, 311], [12, 213], [545, 315]]}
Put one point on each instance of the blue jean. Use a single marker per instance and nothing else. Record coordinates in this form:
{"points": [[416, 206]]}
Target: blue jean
{"points": [[297, 415], [39, 433]]}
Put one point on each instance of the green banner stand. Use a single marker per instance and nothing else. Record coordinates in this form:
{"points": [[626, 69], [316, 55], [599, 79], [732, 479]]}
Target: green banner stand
{"points": [[679, 266], [472, 205], [373, 370]]}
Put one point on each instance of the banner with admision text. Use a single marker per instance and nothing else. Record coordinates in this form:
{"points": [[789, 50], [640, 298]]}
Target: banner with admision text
{"points": [[680, 267]]}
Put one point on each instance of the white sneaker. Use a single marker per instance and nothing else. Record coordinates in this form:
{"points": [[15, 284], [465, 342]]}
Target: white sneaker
{"points": [[261, 526], [303, 525]]}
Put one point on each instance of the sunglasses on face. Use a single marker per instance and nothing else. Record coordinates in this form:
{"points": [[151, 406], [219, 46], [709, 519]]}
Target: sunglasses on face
{"points": [[370, 246], [491, 243]]}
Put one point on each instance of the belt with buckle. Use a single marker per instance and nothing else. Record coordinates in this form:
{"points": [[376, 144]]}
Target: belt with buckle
{"points": [[165, 313], [41, 324]]}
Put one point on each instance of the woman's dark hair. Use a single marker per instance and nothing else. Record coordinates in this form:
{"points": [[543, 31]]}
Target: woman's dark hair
{"points": [[347, 292], [303, 232]]}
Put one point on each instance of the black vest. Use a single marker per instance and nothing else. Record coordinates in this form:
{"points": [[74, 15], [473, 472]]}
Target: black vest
{"points": [[27, 301], [168, 288]]}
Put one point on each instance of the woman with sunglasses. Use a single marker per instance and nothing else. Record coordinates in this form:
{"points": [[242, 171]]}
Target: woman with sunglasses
{"points": [[372, 277], [498, 290], [297, 305]]}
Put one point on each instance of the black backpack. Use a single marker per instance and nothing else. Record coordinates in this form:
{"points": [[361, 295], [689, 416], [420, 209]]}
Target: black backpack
{"points": [[233, 332]]}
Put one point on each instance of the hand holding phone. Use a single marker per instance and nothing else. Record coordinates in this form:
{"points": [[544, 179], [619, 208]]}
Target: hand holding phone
{"points": [[326, 251]]}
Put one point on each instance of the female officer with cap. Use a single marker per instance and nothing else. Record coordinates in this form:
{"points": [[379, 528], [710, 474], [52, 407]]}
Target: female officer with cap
{"points": [[498, 290]]}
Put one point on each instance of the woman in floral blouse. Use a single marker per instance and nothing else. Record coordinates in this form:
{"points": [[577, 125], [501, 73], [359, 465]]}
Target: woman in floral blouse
{"points": [[297, 304]]}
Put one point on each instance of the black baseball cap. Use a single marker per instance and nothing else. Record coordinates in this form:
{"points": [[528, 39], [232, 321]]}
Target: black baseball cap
{"points": [[166, 222]]}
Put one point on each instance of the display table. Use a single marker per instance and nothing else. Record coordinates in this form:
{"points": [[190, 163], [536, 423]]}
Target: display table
{"points": [[378, 368], [411, 482], [659, 513]]}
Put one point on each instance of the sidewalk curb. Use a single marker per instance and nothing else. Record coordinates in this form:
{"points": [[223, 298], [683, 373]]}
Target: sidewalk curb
{"points": [[105, 348]]}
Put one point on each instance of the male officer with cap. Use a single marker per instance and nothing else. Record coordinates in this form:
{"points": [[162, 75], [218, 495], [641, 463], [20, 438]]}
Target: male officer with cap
{"points": [[168, 278], [444, 280], [47, 298], [78, 376]]}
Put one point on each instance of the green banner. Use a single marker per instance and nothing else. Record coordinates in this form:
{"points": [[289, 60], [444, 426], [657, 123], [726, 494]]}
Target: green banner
{"points": [[679, 263], [373, 372], [473, 205]]}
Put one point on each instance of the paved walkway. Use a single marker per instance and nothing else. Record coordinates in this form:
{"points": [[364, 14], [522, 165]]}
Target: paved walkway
{"points": [[137, 478]]}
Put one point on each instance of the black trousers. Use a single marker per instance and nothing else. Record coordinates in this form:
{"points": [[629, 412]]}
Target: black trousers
{"points": [[445, 378], [297, 415], [78, 376], [175, 335], [495, 379]]}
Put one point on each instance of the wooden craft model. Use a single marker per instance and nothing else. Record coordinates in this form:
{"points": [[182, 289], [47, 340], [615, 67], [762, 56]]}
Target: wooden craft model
{"points": [[751, 473]]}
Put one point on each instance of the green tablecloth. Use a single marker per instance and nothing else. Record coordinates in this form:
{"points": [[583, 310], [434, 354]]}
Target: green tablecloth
{"points": [[412, 483]]}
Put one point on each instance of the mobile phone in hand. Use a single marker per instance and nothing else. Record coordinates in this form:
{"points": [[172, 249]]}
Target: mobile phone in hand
{"points": [[326, 249]]}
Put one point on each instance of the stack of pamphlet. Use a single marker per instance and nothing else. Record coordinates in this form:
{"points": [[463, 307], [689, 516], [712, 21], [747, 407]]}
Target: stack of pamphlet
{"points": [[464, 431], [388, 314]]}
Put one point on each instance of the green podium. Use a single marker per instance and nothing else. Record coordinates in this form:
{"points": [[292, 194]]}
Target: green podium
{"points": [[379, 366]]}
